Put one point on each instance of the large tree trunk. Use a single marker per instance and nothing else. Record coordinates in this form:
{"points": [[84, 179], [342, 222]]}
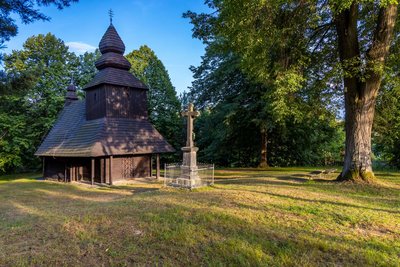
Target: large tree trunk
{"points": [[359, 118], [361, 87], [264, 143]]}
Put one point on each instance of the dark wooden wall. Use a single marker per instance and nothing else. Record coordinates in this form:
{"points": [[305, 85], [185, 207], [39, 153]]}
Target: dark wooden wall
{"points": [[54, 169], [95, 103], [142, 166], [99, 170], [126, 167], [67, 169], [116, 102], [77, 169]]}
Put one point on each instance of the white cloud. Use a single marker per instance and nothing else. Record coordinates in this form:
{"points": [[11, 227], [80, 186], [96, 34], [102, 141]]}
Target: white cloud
{"points": [[79, 47]]}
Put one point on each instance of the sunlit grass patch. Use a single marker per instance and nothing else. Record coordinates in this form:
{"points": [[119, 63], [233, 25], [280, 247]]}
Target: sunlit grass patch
{"points": [[30, 176]]}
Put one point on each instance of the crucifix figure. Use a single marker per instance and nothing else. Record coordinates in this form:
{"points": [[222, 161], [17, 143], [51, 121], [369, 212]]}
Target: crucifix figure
{"points": [[191, 114]]}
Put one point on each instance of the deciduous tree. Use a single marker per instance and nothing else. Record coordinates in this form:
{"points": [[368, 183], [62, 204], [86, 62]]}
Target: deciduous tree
{"points": [[163, 104], [32, 94], [247, 118], [315, 42]]}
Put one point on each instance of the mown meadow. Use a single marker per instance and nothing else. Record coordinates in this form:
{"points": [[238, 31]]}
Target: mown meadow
{"points": [[250, 217]]}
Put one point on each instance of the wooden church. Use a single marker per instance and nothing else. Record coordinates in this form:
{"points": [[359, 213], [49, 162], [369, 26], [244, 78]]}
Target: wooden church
{"points": [[107, 136]]}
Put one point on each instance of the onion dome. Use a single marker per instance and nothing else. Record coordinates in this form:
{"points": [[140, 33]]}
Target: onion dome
{"points": [[112, 65], [112, 59], [111, 42], [71, 94], [112, 49]]}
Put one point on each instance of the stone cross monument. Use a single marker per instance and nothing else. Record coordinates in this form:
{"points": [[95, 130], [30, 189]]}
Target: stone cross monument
{"points": [[189, 164]]}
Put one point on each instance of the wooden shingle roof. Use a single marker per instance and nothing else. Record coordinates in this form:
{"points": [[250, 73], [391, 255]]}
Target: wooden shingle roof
{"points": [[73, 136], [111, 41], [112, 65], [116, 77]]}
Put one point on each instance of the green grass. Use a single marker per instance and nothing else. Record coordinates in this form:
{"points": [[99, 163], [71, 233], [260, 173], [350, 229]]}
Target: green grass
{"points": [[251, 217]]}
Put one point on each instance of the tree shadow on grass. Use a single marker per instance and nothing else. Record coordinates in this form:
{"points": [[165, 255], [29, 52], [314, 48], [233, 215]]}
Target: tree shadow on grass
{"points": [[319, 201], [81, 231], [272, 180], [275, 239], [328, 185], [136, 189], [298, 178]]}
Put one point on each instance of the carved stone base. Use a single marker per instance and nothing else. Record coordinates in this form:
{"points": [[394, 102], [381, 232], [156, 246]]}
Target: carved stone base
{"points": [[189, 165]]}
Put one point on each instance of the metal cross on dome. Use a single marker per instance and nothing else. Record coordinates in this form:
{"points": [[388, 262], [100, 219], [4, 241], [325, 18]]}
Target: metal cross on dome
{"points": [[191, 114], [111, 14]]}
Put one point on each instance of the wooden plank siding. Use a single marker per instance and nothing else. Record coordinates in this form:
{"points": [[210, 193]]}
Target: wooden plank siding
{"points": [[66, 169], [116, 102], [128, 167], [125, 102], [95, 103]]}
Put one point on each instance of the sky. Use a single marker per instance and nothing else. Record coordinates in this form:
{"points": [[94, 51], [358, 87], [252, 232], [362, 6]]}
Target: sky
{"points": [[156, 23]]}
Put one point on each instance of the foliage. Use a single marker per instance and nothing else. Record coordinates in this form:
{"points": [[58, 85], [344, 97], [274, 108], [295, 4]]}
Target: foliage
{"points": [[84, 68], [32, 94], [291, 49], [27, 11], [163, 104], [387, 119], [228, 136], [14, 140], [387, 123], [250, 91]]}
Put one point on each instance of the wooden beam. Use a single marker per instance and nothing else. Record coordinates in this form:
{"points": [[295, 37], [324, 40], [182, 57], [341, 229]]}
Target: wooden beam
{"points": [[103, 175], [43, 166], [65, 172], [158, 166], [110, 169], [92, 172], [151, 166]]}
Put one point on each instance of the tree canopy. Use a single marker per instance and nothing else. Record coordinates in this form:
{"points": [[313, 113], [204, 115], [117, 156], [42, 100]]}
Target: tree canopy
{"points": [[276, 115], [32, 94], [301, 51], [163, 104]]}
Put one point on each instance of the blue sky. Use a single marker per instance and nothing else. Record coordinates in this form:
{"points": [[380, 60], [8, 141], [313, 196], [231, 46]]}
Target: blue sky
{"points": [[156, 23]]}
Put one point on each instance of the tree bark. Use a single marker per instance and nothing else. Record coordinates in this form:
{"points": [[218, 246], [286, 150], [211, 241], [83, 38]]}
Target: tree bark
{"points": [[361, 87], [264, 144]]}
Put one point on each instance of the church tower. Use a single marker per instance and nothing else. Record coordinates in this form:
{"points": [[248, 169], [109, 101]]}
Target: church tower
{"points": [[115, 92]]}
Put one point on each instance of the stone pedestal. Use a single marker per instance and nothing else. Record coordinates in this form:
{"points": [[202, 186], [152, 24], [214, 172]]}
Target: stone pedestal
{"points": [[190, 156], [189, 166]]}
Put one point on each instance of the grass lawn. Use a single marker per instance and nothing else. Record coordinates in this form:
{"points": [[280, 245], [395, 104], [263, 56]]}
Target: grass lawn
{"points": [[250, 217]]}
